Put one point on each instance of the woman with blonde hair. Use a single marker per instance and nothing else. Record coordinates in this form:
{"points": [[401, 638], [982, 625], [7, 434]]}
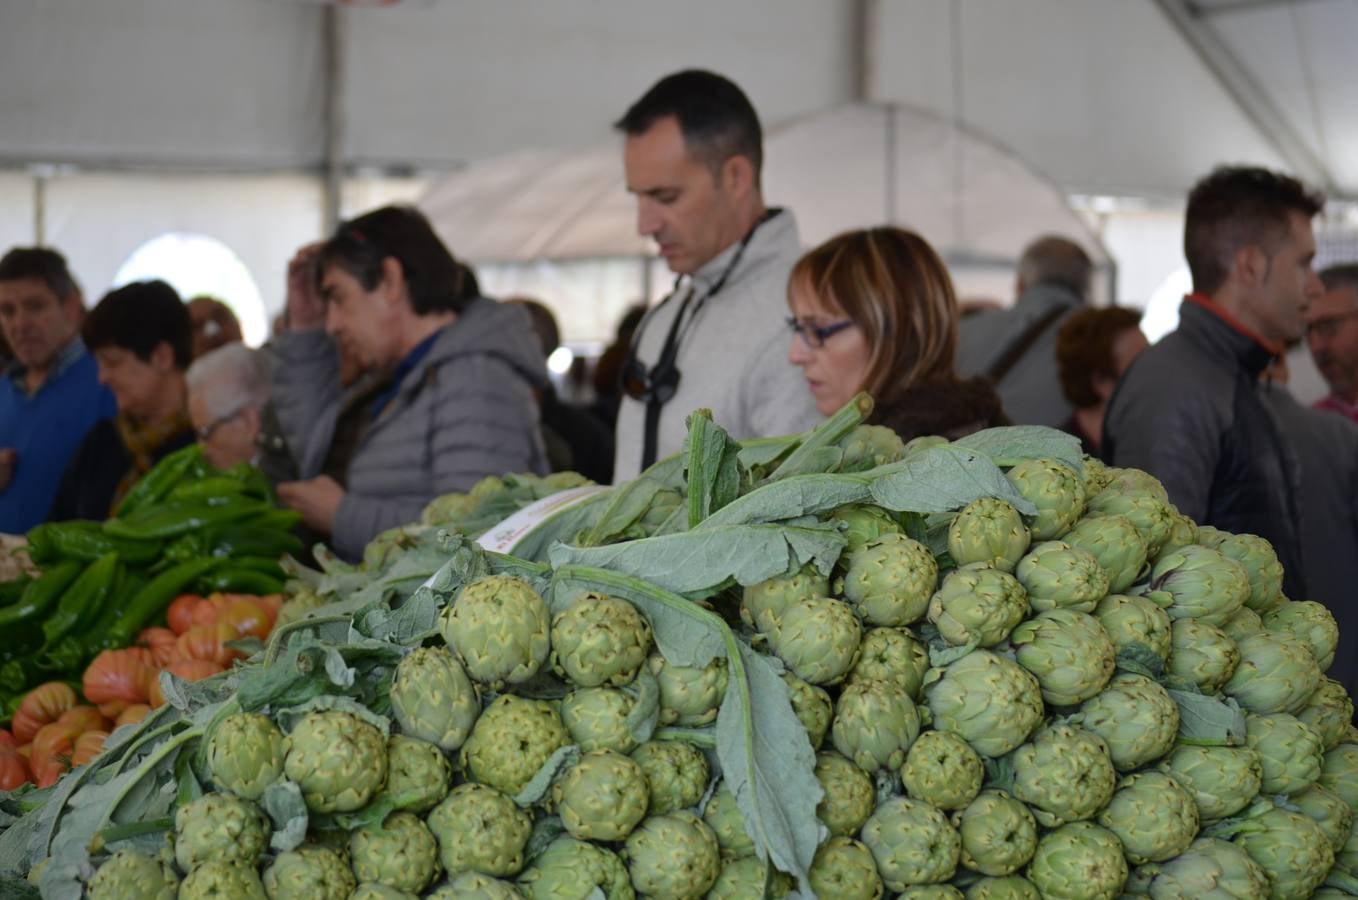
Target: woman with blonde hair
{"points": [[874, 310]]}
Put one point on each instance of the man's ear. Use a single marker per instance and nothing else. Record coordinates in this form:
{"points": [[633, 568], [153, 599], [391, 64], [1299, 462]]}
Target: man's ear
{"points": [[393, 283], [737, 176], [162, 357], [1250, 265]]}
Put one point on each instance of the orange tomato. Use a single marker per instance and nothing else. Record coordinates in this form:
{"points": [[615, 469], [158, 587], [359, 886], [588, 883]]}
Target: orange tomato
{"points": [[245, 618], [134, 713], [88, 746], [7, 741], [118, 676], [194, 669], [13, 770], [87, 717], [205, 613], [208, 642], [180, 614], [41, 706]]}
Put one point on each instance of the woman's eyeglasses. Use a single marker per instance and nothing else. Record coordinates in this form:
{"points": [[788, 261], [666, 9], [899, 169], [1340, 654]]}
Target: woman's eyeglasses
{"points": [[816, 335], [205, 433]]}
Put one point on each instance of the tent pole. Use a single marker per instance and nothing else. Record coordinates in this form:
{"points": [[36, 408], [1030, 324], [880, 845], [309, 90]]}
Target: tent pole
{"points": [[39, 209], [332, 41], [863, 49]]}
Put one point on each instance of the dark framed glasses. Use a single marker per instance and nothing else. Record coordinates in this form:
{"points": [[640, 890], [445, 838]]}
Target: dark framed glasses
{"points": [[205, 433], [816, 335]]}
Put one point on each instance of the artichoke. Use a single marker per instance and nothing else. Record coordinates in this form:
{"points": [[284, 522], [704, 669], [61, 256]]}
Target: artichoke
{"points": [[977, 606], [988, 530], [572, 868], [1291, 849], [676, 774], [1328, 710], [930, 892], [479, 829], [893, 655], [475, 886], [1011, 887], [763, 604], [889, 580], [844, 868], [1064, 774], [812, 706], [501, 629], [418, 774], [861, 524], [1261, 565], [1135, 621], [1153, 816], [1152, 516], [990, 701], [673, 857], [433, 699], [1182, 532], [599, 640], [744, 878], [1135, 717], [1346, 859], [245, 754], [602, 797], [1276, 673], [1059, 576], [400, 853], [870, 446], [1243, 623], [1339, 773], [221, 828], [512, 740], [1201, 583], [875, 723], [1132, 481], [1330, 812], [849, 795], [337, 759], [998, 833], [1290, 752], [373, 891], [1097, 475], [216, 879], [1079, 861], [309, 873], [597, 719], [133, 876], [1202, 655], [1210, 869], [943, 770], [690, 696], [1222, 780], [1068, 652], [722, 814], [1055, 489], [1115, 543], [818, 640], [1311, 624], [911, 842]]}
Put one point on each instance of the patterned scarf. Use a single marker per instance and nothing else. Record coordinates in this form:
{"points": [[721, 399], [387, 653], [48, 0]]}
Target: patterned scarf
{"points": [[142, 442]]}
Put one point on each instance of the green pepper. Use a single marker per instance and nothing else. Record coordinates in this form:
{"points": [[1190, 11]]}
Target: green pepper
{"points": [[240, 581], [87, 541], [213, 488], [84, 598], [41, 594], [171, 519], [40, 547], [152, 599], [20, 640], [265, 565], [11, 591], [20, 673], [74, 651], [155, 484]]}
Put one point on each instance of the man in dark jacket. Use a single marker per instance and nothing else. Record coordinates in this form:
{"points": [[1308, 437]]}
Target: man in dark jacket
{"points": [[1188, 410]]}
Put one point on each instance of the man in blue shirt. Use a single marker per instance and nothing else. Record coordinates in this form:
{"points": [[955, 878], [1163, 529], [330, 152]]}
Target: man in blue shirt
{"points": [[50, 394]]}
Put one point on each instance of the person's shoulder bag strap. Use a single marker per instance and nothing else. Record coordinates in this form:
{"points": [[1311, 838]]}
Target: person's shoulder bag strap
{"points": [[1019, 348]]}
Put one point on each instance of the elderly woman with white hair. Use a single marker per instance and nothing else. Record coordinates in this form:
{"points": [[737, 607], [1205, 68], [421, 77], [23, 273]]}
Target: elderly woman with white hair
{"points": [[229, 393]]}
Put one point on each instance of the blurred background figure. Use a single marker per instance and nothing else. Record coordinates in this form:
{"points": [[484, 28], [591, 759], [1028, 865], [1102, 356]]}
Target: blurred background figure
{"points": [[230, 411], [1332, 335], [608, 370], [1093, 348], [214, 324]]}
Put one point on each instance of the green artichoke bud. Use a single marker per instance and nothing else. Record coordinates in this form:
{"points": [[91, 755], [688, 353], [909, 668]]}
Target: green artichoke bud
{"points": [[676, 774], [400, 853], [849, 795], [501, 629], [1222, 780], [219, 827], [1290, 752], [475, 886], [818, 640], [572, 868], [925, 442], [990, 701], [930, 892], [245, 754], [943, 770], [988, 530], [1057, 492], [1135, 717], [337, 759], [1059, 576], [861, 524], [1261, 565], [1068, 652], [744, 878], [1182, 532], [1210, 869], [875, 724], [893, 655], [1346, 860], [1097, 475], [1133, 621], [449, 510], [1202, 655], [1202, 584], [599, 640], [1291, 849], [1331, 813], [479, 829], [977, 606], [296, 607], [813, 707], [1133, 481], [216, 879], [673, 857], [1311, 624], [762, 604], [1079, 861], [1277, 673], [309, 873], [889, 580], [690, 696], [844, 868], [1243, 623], [433, 699], [1328, 710], [1064, 774], [1011, 887], [418, 774], [1152, 516], [998, 833], [512, 740], [602, 797], [1153, 816], [1115, 543], [597, 719], [870, 446], [722, 814], [912, 843], [372, 891], [133, 876], [1339, 773]]}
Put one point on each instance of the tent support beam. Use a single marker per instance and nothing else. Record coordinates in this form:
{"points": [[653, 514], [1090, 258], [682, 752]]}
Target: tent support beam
{"points": [[1247, 93], [332, 42], [863, 48]]}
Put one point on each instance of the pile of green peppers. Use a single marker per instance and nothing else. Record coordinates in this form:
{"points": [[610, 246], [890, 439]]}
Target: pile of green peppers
{"points": [[185, 527]]}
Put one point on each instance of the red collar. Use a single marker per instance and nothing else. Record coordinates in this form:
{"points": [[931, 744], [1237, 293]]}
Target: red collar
{"points": [[1221, 313]]}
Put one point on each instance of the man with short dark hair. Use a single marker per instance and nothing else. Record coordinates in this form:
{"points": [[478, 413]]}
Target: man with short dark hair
{"points": [[1332, 334], [692, 158], [1188, 410], [1016, 347], [50, 394]]}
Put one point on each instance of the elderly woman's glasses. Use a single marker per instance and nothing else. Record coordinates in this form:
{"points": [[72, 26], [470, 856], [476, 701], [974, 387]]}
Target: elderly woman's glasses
{"points": [[205, 433], [816, 335]]}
